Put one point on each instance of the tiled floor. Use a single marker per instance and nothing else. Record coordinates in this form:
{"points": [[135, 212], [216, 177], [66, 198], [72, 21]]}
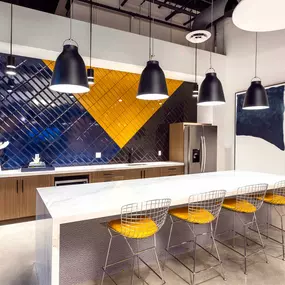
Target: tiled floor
{"points": [[17, 257]]}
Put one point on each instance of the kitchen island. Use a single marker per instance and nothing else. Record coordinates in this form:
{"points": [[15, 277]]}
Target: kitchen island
{"points": [[62, 211]]}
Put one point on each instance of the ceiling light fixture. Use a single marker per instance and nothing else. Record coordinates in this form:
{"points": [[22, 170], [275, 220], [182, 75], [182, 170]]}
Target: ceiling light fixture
{"points": [[152, 84], [195, 87], [260, 15], [69, 75], [256, 96], [90, 70], [11, 61], [198, 36], [211, 90]]}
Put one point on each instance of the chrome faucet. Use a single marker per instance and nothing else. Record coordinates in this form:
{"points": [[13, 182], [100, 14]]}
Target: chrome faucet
{"points": [[130, 156]]}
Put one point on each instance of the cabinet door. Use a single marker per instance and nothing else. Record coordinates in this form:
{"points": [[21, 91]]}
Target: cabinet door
{"points": [[28, 193], [133, 174], [152, 172], [9, 199]]}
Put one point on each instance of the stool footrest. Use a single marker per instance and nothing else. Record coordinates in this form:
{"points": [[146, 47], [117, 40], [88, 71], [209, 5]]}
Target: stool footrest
{"points": [[199, 271]]}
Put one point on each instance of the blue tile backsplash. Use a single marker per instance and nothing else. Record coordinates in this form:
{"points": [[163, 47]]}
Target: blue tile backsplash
{"points": [[35, 119]]}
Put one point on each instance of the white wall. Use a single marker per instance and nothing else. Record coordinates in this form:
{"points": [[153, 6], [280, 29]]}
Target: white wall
{"points": [[41, 35], [240, 48]]}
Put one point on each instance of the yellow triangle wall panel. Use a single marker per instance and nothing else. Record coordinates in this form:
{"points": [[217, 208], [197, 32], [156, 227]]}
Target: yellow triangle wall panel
{"points": [[113, 105]]}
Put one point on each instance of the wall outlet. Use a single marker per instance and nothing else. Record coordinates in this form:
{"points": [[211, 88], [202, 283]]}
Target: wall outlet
{"points": [[159, 153], [98, 155]]}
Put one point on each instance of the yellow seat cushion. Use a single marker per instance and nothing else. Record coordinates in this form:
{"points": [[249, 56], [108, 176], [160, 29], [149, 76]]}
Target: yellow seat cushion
{"points": [[144, 228], [196, 216], [274, 199], [242, 206]]}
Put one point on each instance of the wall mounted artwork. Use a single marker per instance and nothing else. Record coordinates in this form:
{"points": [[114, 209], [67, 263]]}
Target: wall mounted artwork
{"points": [[68, 129], [259, 140]]}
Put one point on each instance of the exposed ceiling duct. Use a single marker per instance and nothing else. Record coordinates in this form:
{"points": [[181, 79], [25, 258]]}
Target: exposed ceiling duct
{"points": [[222, 8]]}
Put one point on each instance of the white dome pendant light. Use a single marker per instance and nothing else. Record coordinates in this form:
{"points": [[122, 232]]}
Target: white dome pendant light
{"points": [[152, 84], [256, 96], [260, 15], [211, 90], [69, 75]]}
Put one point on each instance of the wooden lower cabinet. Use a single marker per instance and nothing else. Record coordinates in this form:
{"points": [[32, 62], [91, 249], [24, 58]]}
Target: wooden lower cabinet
{"points": [[18, 196], [133, 174], [28, 193], [152, 172], [116, 175], [10, 202]]}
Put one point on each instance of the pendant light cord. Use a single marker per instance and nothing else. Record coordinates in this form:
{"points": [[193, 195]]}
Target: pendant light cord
{"points": [[212, 20], [196, 63], [255, 71], [11, 31], [91, 22], [71, 25], [70, 19], [151, 40]]}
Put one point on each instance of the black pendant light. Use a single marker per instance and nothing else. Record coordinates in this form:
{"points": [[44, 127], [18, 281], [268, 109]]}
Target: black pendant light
{"points": [[69, 75], [11, 85], [256, 96], [90, 70], [152, 84], [11, 65], [195, 87], [211, 90]]}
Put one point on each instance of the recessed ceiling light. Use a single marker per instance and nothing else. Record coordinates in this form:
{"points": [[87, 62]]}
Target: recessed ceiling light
{"points": [[120, 100]]}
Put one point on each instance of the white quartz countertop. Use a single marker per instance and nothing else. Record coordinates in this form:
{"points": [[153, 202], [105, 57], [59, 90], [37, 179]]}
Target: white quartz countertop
{"points": [[89, 168], [89, 201]]}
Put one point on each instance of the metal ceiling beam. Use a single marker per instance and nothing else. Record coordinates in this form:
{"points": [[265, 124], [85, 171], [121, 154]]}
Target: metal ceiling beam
{"points": [[160, 5], [132, 14], [124, 2], [172, 14], [172, 7]]}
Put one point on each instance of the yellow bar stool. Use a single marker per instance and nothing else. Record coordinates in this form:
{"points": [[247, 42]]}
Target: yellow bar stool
{"points": [[276, 200], [138, 222], [202, 209], [248, 201]]}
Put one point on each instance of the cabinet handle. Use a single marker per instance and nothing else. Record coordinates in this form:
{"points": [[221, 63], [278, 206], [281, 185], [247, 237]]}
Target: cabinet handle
{"points": [[17, 186], [22, 186], [144, 174], [108, 174], [173, 168]]}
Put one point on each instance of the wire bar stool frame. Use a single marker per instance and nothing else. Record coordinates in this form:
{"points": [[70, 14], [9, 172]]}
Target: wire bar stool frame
{"points": [[252, 196], [279, 190], [211, 202], [149, 215]]}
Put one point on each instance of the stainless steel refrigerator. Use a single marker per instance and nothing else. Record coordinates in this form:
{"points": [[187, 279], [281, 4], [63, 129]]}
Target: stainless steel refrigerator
{"points": [[195, 145]]}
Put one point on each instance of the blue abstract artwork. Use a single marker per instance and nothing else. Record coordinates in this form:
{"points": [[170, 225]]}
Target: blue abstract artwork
{"points": [[265, 124]]}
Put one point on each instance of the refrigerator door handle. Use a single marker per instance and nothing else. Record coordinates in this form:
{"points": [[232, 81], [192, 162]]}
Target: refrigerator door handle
{"points": [[188, 159], [201, 154], [205, 153]]}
